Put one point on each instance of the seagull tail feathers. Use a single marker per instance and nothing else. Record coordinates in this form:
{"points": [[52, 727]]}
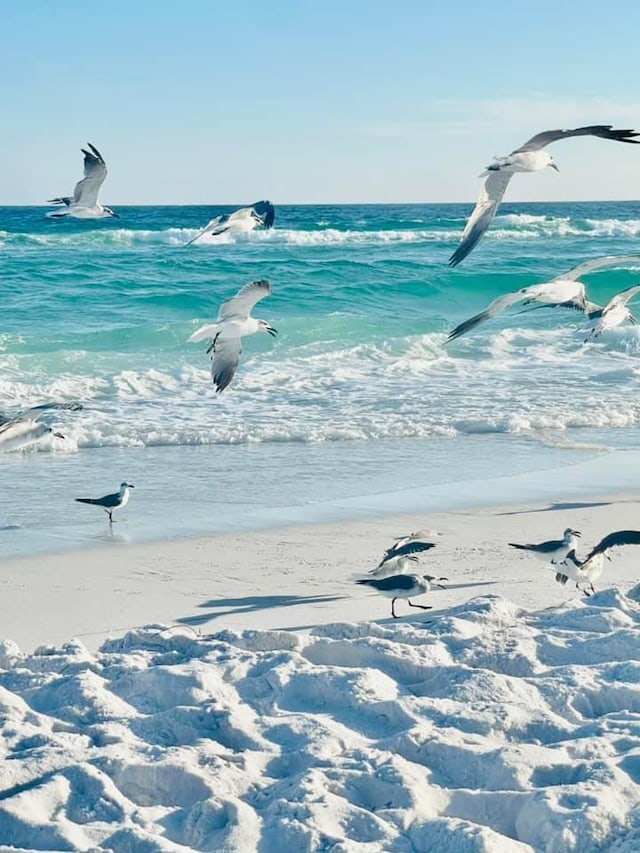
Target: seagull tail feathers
{"points": [[86, 500]]}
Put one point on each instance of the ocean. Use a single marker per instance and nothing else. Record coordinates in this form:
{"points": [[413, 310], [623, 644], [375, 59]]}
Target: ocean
{"points": [[356, 406]]}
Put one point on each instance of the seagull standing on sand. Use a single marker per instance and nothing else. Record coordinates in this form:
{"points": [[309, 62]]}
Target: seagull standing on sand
{"points": [[233, 323], [25, 428], [403, 586], [109, 503], [589, 570], [615, 312], [84, 204], [553, 550], [564, 291], [530, 157]]}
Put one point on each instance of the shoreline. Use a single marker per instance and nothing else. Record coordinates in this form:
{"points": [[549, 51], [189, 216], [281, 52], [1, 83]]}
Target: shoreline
{"points": [[297, 576]]}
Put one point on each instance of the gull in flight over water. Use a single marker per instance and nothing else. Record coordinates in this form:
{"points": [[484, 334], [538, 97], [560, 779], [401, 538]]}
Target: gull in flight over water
{"points": [[564, 291], [110, 503], [530, 157], [615, 312], [403, 586], [589, 570], [84, 204], [553, 550], [25, 428], [261, 214], [233, 323]]}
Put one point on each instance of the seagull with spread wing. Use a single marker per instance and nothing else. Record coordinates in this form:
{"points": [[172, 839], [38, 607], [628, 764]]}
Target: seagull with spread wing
{"points": [[84, 204], [233, 323], [261, 214], [615, 312], [588, 570], [565, 291], [25, 428], [530, 157]]}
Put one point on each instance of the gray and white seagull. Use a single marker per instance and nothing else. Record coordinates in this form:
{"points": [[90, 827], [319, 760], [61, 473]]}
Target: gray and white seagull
{"points": [[530, 157], [112, 502], [588, 570], [84, 203], [403, 586], [26, 428], [564, 291], [615, 312], [233, 323], [553, 550]]}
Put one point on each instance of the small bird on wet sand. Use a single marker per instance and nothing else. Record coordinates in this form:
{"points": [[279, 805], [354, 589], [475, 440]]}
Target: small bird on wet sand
{"points": [[109, 503], [555, 549], [403, 586]]}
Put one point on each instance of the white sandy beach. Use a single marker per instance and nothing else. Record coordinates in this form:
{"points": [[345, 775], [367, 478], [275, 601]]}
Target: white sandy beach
{"points": [[298, 576], [505, 720]]}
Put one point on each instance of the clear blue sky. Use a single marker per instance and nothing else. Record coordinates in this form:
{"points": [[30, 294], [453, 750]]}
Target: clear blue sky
{"points": [[313, 101]]}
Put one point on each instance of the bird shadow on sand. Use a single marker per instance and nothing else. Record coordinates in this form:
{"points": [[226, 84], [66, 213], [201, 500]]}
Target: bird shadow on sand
{"points": [[559, 506], [251, 604]]}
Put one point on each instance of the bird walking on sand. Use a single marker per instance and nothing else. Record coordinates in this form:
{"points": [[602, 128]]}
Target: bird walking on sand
{"points": [[403, 586], [553, 550], [110, 503], [530, 157], [84, 204], [233, 323]]}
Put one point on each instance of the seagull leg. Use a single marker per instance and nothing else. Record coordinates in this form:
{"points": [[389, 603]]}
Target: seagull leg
{"points": [[212, 345], [393, 612], [420, 606], [110, 514]]}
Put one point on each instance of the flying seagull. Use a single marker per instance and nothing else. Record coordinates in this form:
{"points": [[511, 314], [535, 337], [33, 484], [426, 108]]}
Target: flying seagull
{"points": [[530, 157], [554, 550], [109, 503], [84, 204], [403, 586], [615, 312], [234, 321], [25, 428], [564, 291], [261, 214]]}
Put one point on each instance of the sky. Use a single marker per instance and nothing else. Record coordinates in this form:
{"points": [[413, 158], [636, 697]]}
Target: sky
{"points": [[313, 102]]}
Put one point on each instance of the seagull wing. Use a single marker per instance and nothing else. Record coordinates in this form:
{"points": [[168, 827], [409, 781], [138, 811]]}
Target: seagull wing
{"points": [[36, 412], [498, 305], [597, 264], [265, 213], [405, 550], [615, 540], [622, 298], [225, 358], [86, 191], [241, 304], [603, 131], [483, 213], [214, 228]]}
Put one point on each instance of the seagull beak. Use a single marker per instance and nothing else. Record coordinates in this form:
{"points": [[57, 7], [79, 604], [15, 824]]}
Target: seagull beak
{"points": [[439, 585], [273, 332], [553, 166], [117, 215], [59, 435], [576, 533]]}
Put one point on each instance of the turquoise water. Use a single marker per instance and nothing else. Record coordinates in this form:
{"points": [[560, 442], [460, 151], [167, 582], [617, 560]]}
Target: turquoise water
{"points": [[356, 396]]}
